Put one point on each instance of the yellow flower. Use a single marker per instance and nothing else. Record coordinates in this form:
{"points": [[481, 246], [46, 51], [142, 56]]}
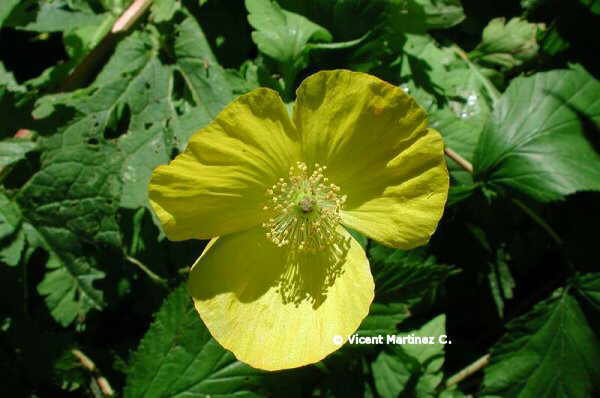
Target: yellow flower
{"points": [[281, 276]]}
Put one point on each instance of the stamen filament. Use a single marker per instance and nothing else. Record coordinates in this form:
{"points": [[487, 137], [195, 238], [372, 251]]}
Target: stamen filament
{"points": [[305, 209]]}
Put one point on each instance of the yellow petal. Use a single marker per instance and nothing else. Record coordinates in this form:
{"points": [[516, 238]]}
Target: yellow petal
{"points": [[274, 310], [217, 185], [374, 140]]}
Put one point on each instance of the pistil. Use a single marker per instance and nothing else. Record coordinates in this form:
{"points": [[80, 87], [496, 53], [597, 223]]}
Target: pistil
{"points": [[304, 210]]}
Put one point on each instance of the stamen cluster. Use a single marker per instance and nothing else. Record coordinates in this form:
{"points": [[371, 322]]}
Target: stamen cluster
{"points": [[304, 210]]}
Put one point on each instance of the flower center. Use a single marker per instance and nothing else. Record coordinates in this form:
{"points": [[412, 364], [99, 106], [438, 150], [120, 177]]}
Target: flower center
{"points": [[304, 210]]}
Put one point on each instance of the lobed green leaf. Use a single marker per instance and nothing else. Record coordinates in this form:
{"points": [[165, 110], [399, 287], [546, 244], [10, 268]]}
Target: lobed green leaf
{"points": [[550, 352], [542, 136], [178, 358]]}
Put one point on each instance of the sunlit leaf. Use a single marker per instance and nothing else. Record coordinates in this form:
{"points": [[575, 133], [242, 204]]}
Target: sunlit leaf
{"points": [[5, 9], [419, 16], [281, 34], [13, 150], [507, 44], [414, 369], [542, 136]]}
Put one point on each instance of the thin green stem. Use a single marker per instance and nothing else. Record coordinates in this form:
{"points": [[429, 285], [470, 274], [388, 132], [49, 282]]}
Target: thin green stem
{"points": [[100, 380], [469, 370], [462, 162], [467, 166], [147, 271], [549, 230], [87, 67], [289, 74], [489, 86], [539, 220], [136, 241]]}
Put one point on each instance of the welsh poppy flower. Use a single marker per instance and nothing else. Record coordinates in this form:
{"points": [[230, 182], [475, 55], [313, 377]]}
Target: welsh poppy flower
{"points": [[281, 275]]}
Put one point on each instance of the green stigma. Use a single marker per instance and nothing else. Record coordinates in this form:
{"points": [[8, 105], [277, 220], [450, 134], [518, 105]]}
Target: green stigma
{"points": [[304, 210], [306, 205]]}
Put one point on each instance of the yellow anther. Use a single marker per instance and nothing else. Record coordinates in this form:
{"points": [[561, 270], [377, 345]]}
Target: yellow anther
{"points": [[305, 210]]}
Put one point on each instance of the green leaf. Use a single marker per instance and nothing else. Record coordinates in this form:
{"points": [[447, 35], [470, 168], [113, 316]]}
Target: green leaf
{"points": [[163, 10], [548, 352], [406, 276], [414, 369], [593, 5], [507, 44], [532, 4], [424, 70], [450, 91], [77, 191], [453, 393], [360, 238], [114, 6], [383, 319], [281, 34], [81, 40], [419, 16], [501, 280], [460, 133], [11, 252], [441, 14], [458, 193], [11, 234], [554, 42], [429, 356], [338, 45], [54, 16], [69, 209], [149, 140], [499, 276], [134, 92], [403, 279], [7, 81], [70, 373], [540, 137], [204, 76], [13, 150], [10, 216], [588, 286], [392, 370], [143, 99], [178, 358], [6, 7], [82, 30], [335, 14], [68, 284]]}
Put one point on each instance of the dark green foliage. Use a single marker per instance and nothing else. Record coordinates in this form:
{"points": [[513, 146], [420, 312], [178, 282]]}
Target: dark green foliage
{"points": [[511, 271], [178, 357], [550, 351]]}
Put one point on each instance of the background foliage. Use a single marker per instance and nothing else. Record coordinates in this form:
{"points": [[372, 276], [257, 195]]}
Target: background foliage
{"points": [[91, 296]]}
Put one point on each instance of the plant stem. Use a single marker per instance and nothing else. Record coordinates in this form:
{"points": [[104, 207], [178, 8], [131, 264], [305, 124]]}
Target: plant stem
{"points": [[469, 370], [539, 220], [490, 88], [462, 162], [87, 363], [147, 271], [131, 15], [467, 166], [85, 69]]}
